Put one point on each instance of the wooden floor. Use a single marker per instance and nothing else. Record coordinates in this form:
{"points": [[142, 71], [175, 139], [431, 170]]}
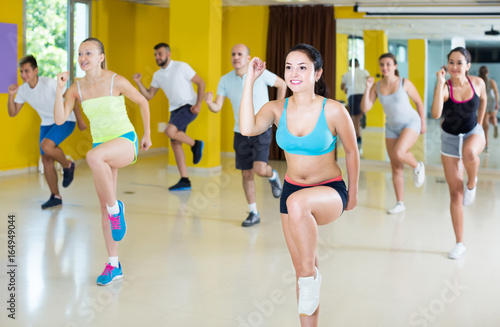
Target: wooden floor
{"points": [[188, 262]]}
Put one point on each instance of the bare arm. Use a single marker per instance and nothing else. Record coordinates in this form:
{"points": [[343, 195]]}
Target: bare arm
{"points": [[495, 90], [63, 107], [200, 83], [343, 87], [214, 106], [147, 93], [345, 130], [280, 84], [250, 124], [415, 97], [483, 98], [128, 90], [370, 95], [79, 119], [439, 95], [13, 107]]}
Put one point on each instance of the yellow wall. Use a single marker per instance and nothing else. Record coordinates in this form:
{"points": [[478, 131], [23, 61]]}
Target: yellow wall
{"points": [[375, 45], [246, 25], [342, 65], [199, 45], [417, 62], [19, 134]]}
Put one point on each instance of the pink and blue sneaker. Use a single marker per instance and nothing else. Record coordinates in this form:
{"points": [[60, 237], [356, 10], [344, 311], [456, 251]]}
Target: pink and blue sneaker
{"points": [[109, 274], [118, 225]]}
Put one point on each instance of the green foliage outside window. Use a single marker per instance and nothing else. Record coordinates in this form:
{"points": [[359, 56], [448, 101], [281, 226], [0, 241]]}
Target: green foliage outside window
{"points": [[46, 30]]}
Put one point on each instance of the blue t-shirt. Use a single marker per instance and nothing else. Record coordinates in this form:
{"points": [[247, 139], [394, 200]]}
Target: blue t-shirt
{"points": [[231, 86]]}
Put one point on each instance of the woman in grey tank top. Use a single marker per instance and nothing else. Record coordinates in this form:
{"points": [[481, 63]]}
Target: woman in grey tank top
{"points": [[491, 104], [403, 126]]}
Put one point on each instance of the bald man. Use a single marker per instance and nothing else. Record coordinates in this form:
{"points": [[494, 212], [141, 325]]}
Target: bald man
{"points": [[252, 153]]}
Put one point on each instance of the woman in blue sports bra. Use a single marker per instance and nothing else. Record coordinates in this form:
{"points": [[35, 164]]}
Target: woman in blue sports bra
{"points": [[461, 104], [313, 192], [403, 124], [101, 95]]}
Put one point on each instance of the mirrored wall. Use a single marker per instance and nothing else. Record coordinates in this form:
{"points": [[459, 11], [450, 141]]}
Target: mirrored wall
{"points": [[440, 35]]}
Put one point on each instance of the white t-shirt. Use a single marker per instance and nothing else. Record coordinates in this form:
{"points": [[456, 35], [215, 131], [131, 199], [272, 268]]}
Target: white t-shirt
{"points": [[42, 98], [360, 76], [175, 81], [231, 86]]}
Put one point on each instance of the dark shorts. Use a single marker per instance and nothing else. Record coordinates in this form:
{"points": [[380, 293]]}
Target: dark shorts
{"points": [[289, 187], [251, 148], [132, 137], [354, 103], [182, 117], [56, 133]]}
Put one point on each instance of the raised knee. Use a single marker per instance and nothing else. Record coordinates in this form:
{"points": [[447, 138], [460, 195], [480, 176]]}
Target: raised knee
{"points": [[47, 146], [399, 156], [92, 157], [468, 156], [296, 206]]}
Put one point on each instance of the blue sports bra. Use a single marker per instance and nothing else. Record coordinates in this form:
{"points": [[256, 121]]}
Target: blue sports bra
{"points": [[320, 141]]}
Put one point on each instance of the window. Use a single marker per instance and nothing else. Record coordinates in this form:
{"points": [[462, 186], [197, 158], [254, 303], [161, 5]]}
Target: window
{"points": [[356, 49], [79, 30], [45, 35]]}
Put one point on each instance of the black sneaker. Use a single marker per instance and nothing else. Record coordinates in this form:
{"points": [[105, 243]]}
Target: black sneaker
{"points": [[197, 149], [363, 121], [68, 174], [181, 186], [53, 202], [276, 186], [251, 220]]}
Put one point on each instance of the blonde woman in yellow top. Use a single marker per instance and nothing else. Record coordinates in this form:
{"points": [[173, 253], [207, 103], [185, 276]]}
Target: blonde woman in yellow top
{"points": [[115, 144]]}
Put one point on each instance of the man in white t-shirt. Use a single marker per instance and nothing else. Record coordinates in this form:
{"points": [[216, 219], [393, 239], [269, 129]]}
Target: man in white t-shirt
{"points": [[176, 79], [40, 93], [354, 84], [251, 153]]}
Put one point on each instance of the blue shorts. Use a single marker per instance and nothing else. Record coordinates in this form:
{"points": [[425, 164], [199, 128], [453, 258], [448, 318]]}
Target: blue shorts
{"points": [[56, 133], [394, 130], [249, 149], [132, 137], [289, 187], [182, 117]]}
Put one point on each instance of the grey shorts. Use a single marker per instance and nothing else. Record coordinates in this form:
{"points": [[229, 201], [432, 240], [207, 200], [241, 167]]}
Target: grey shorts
{"points": [[393, 131], [451, 144]]}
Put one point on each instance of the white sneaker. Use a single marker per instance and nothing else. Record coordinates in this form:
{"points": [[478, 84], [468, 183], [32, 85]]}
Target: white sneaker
{"points": [[399, 207], [309, 294], [469, 195], [457, 252], [419, 174]]}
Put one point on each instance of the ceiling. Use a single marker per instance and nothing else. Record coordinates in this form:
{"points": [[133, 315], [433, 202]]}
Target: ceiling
{"points": [[470, 28]]}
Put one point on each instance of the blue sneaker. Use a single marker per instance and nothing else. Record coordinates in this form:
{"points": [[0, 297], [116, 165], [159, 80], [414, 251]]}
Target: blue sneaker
{"points": [[118, 225], [109, 274]]}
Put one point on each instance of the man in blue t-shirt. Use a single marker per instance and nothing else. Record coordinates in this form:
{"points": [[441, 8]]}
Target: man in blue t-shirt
{"points": [[252, 153]]}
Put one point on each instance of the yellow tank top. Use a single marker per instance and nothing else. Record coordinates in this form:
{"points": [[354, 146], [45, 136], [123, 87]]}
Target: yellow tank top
{"points": [[107, 115]]}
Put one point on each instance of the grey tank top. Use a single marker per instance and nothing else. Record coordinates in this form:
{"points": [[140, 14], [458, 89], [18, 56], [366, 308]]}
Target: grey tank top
{"points": [[397, 106]]}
